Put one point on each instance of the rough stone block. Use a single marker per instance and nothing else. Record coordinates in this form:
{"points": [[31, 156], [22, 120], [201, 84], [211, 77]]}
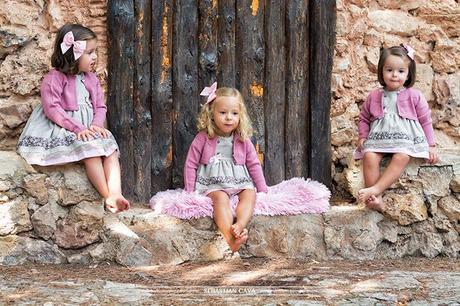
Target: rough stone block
{"points": [[81, 227], [35, 186], [16, 250], [352, 233], [14, 217]]}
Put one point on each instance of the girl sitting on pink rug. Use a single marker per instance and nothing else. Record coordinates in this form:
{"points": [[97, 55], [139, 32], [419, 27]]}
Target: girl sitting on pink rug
{"points": [[222, 174], [222, 162]]}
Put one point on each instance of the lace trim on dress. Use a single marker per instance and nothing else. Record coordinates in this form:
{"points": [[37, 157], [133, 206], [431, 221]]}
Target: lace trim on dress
{"points": [[46, 143], [222, 180], [31, 141], [396, 136]]}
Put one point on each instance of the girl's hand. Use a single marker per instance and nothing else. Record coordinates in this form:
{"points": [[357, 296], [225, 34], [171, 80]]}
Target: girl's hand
{"points": [[99, 130], [361, 143], [85, 135], [433, 155]]}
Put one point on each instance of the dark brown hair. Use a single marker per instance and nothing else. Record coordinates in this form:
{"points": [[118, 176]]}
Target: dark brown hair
{"points": [[66, 62], [402, 53]]}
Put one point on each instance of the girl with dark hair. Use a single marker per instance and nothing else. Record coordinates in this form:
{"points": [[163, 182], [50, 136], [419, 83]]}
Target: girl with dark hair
{"points": [[396, 120], [68, 125]]}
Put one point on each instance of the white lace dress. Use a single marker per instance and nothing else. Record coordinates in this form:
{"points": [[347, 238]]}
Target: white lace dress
{"points": [[44, 143], [394, 134], [222, 173]]}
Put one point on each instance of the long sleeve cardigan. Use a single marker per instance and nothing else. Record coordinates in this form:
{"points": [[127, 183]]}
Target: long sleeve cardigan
{"points": [[411, 105], [58, 95], [203, 148]]}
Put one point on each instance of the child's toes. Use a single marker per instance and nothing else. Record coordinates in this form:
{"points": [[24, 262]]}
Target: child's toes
{"points": [[376, 203], [122, 204], [235, 230], [111, 208]]}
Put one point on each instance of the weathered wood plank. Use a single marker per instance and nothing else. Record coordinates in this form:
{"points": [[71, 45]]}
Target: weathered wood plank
{"points": [[296, 136], [185, 82], [274, 93], [141, 101], [226, 70], [162, 105], [207, 43], [250, 61], [278, 53], [322, 39], [121, 28]]}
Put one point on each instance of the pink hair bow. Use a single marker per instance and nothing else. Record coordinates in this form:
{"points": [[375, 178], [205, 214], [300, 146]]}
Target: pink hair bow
{"points": [[68, 41], [410, 51], [210, 92]]}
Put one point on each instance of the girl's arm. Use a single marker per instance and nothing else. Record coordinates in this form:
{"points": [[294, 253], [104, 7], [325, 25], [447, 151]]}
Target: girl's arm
{"points": [[424, 117], [364, 119], [100, 109], [192, 162], [51, 94], [254, 167]]}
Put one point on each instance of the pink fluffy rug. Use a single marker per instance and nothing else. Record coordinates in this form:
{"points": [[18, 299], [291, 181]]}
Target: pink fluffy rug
{"points": [[291, 197]]}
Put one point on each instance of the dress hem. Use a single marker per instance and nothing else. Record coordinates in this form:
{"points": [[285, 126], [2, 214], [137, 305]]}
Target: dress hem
{"points": [[359, 154], [68, 159]]}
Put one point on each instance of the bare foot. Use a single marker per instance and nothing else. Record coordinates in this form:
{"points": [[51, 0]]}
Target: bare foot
{"points": [[375, 203], [236, 230], [236, 243], [116, 204], [365, 193]]}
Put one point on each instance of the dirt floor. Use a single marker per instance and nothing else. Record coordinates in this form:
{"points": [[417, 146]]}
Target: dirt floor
{"points": [[217, 273], [236, 280]]}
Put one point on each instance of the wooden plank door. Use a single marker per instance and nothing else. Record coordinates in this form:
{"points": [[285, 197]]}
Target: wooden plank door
{"points": [[163, 52]]}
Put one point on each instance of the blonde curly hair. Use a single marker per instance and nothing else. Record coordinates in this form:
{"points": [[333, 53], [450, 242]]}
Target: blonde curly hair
{"points": [[205, 118]]}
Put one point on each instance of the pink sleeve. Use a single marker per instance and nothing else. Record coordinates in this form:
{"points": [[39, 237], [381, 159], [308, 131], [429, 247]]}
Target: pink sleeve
{"points": [[254, 167], [192, 162], [364, 119], [424, 117], [100, 109], [51, 95]]}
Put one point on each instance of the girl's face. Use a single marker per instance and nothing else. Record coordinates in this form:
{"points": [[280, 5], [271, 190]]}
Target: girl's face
{"points": [[226, 115], [395, 72], [87, 62]]}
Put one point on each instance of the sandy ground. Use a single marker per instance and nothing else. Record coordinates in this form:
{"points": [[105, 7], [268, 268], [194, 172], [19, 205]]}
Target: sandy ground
{"points": [[256, 281]]}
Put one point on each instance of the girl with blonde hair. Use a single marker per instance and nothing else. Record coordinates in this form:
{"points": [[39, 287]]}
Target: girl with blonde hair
{"points": [[222, 162]]}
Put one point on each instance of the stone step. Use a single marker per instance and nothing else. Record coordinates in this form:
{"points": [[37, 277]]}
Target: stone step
{"points": [[345, 232], [53, 215]]}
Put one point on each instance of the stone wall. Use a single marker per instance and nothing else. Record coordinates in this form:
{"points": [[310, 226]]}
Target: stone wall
{"points": [[363, 26], [53, 215], [27, 34]]}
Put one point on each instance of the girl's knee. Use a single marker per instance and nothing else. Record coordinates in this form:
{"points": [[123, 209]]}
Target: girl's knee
{"points": [[248, 192], [219, 197], [90, 160], [115, 154], [401, 157], [372, 156], [247, 195]]}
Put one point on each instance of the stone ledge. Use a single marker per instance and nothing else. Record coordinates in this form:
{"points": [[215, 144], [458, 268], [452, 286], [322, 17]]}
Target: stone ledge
{"points": [[423, 191], [140, 238], [53, 215], [345, 232]]}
